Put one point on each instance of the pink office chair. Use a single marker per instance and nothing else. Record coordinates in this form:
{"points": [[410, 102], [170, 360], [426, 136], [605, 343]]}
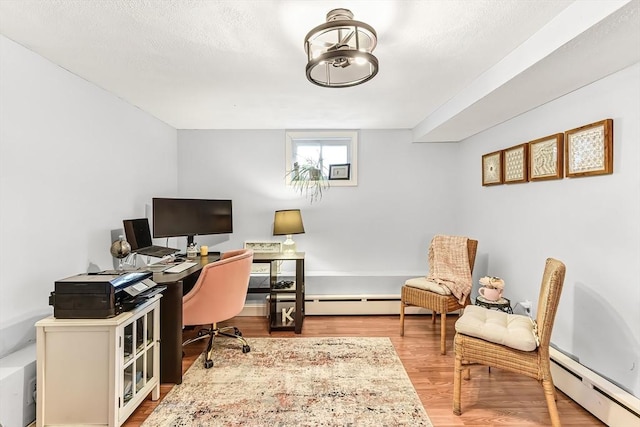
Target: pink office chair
{"points": [[219, 294]]}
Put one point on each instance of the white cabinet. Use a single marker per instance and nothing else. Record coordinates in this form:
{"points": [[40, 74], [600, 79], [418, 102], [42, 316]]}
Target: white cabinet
{"points": [[97, 371]]}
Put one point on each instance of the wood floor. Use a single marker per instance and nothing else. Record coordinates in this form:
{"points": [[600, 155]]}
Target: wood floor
{"points": [[496, 398]]}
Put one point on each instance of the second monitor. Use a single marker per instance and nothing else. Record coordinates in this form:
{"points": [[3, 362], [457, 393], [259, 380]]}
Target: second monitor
{"points": [[173, 217]]}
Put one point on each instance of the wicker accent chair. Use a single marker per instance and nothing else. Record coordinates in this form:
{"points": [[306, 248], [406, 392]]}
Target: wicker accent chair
{"points": [[437, 303], [515, 344]]}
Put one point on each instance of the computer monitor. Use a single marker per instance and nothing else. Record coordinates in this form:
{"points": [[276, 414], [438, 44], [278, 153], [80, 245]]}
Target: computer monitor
{"points": [[191, 217]]}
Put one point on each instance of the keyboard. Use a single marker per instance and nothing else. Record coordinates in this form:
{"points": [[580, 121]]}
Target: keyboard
{"points": [[158, 267], [179, 268]]}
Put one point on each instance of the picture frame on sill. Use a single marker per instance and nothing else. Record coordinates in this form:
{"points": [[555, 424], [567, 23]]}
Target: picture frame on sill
{"points": [[492, 168], [546, 158], [263, 247], [515, 165], [340, 172], [588, 149]]}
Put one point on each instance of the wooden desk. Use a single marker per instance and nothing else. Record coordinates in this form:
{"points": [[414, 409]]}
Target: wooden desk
{"points": [[275, 319], [171, 317]]}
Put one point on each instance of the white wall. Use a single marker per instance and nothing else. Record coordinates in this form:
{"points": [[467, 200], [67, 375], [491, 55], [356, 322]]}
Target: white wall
{"points": [[362, 239], [74, 162], [591, 224], [365, 239]]}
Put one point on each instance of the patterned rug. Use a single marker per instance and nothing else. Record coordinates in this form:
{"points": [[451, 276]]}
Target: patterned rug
{"points": [[295, 382]]}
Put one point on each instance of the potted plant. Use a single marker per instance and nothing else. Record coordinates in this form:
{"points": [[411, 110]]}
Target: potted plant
{"points": [[308, 179]]}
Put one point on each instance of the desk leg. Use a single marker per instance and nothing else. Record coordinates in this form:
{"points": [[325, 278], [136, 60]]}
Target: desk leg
{"points": [[299, 295], [171, 334]]}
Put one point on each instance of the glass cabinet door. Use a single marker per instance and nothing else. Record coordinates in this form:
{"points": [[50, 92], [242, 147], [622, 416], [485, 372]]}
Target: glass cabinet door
{"points": [[149, 354], [140, 335], [127, 384], [128, 342], [150, 327], [138, 355], [140, 377]]}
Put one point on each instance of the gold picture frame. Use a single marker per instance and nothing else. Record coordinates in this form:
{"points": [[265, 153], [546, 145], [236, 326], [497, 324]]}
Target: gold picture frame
{"points": [[492, 168], [546, 158], [588, 149], [514, 164]]}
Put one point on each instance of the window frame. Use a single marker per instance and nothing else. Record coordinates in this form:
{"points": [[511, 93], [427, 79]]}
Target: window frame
{"points": [[352, 135]]}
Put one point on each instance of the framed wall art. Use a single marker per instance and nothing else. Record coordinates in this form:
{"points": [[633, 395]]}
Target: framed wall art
{"points": [[589, 149], [514, 164], [492, 168], [342, 171], [546, 158]]}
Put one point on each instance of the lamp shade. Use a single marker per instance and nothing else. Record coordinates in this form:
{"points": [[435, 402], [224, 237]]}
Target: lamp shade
{"points": [[287, 222]]}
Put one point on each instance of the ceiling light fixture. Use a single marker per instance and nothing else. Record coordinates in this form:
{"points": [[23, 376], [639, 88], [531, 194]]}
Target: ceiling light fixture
{"points": [[339, 51]]}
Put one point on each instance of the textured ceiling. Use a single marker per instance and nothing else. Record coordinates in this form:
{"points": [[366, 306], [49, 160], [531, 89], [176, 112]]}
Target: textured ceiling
{"points": [[448, 69]]}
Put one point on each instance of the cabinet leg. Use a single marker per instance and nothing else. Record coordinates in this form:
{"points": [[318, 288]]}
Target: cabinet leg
{"points": [[155, 393]]}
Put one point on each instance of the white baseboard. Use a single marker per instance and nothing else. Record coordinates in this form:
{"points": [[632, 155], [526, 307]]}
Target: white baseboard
{"points": [[254, 309], [328, 305], [341, 305], [606, 401]]}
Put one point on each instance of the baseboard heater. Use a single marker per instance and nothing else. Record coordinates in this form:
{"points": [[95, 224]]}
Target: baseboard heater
{"points": [[342, 305], [606, 401], [327, 305], [17, 387]]}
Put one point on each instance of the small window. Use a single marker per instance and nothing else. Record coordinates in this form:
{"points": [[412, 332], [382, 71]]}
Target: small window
{"points": [[323, 149]]}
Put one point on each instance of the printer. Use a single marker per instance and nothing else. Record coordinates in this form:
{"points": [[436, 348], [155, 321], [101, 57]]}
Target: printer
{"points": [[101, 295]]}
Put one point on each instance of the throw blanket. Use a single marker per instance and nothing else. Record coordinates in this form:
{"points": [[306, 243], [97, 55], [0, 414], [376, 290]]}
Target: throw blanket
{"points": [[449, 265]]}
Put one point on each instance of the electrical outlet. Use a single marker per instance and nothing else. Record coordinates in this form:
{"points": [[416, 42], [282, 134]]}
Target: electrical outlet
{"points": [[526, 304]]}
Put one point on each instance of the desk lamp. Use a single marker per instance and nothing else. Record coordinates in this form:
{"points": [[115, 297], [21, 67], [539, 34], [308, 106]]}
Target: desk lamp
{"points": [[288, 222]]}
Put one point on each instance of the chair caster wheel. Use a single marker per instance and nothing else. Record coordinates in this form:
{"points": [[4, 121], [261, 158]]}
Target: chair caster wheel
{"points": [[208, 364], [237, 332], [246, 349]]}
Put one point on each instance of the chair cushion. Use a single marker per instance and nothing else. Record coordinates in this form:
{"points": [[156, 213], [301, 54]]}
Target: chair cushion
{"points": [[511, 330], [428, 285]]}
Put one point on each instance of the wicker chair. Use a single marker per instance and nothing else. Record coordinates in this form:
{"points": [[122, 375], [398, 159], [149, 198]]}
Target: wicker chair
{"points": [[535, 363], [437, 303]]}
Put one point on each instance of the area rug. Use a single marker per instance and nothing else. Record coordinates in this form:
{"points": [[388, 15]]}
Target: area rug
{"points": [[295, 382]]}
